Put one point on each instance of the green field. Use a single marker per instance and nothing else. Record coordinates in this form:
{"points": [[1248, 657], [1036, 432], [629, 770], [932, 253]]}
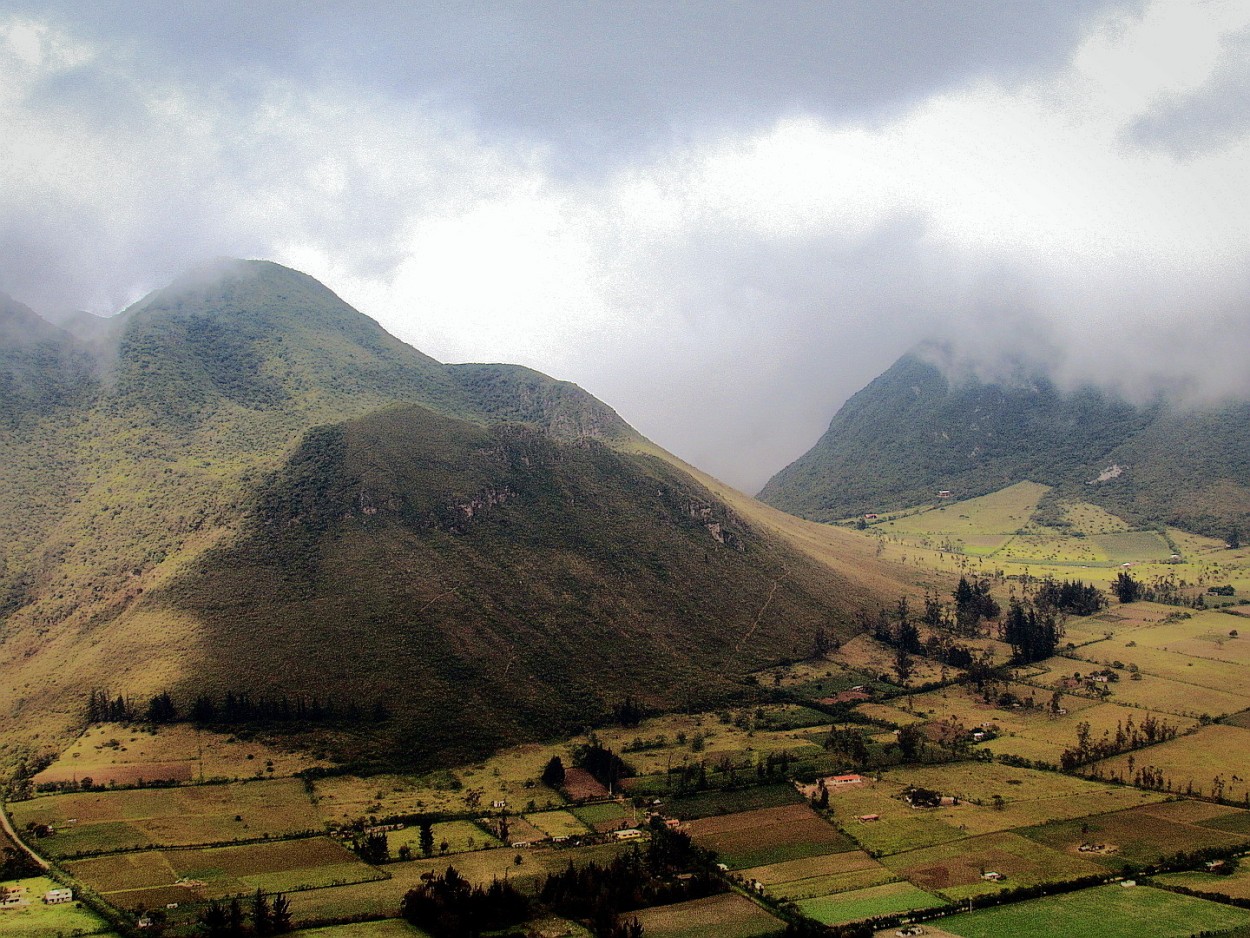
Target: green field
{"points": [[1107, 911], [387, 928], [1210, 759], [867, 903], [37, 920], [558, 823], [97, 822]]}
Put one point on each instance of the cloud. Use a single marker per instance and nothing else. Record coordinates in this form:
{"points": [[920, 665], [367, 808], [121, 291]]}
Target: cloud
{"points": [[778, 227]]}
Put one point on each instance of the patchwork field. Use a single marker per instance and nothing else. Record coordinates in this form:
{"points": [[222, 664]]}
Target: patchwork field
{"points": [[710, 803], [813, 877], [1236, 885], [767, 836], [726, 916], [1107, 911], [95, 822], [149, 878]]}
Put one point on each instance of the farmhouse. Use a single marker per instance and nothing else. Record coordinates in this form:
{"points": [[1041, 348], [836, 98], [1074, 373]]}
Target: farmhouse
{"points": [[992, 876], [11, 897], [836, 780], [944, 493], [629, 833], [57, 896]]}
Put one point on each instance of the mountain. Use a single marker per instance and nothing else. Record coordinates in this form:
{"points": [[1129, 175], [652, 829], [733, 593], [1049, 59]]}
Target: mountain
{"points": [[254, 490], [913, 432]]}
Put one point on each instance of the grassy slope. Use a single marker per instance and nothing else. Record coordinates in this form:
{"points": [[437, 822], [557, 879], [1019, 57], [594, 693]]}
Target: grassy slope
{"points": [[489, 583], [911, 433]]}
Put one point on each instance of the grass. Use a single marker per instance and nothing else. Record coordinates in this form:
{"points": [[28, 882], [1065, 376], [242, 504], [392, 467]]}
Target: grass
{"points": [[112, 753], [120, 820], [1108, 911], [557, 823], [1198, 762], [386, 928], [727, 916], [861, 904], [38, 920]]}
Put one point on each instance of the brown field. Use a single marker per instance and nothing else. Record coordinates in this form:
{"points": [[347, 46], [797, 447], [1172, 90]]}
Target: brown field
{"points": [[768, 835], [726, 916], [582, 786], [954, 870], [868, 656], [828, 865], [1236, 884]]}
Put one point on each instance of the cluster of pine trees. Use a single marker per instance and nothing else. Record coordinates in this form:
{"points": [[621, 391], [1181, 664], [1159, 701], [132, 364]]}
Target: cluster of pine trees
{"points": [[263, 917], [1032, 635]]}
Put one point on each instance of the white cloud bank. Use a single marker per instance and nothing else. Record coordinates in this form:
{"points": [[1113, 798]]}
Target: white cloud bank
{"points": [[725, 294]]}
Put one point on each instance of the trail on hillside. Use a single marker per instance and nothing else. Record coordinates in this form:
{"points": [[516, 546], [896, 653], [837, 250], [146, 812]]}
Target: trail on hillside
{"points": [[760, 615]]}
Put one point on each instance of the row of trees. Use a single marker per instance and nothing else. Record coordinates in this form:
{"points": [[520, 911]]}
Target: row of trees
{"points": [[1127, 737], [264, 916], [230, 708], [671, 869]]}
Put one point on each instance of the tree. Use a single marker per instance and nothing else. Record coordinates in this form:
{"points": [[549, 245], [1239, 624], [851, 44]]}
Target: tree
{"points": [[280, 915], [1234, 538], [262, 916], [1126, 589], [553, 772], [821, 644], [427, 838]]}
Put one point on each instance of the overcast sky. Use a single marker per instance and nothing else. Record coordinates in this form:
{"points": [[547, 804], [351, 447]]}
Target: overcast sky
{"points": [[721, 218]]}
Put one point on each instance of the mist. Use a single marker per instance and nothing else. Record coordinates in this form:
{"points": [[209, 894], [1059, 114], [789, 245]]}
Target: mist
{"points": [[720, 223]]}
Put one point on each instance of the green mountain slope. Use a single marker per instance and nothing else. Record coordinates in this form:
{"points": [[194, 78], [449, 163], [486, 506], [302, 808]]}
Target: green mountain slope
{"points": [[911, 433], [266, 493]]}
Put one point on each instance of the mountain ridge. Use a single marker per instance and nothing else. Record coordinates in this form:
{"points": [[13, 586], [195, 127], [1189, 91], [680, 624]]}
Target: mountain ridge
{"points": [[913, 431]]}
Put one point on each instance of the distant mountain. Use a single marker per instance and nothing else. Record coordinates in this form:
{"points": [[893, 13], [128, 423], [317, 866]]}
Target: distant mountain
{"points": [[247, 487], [912, 432]]}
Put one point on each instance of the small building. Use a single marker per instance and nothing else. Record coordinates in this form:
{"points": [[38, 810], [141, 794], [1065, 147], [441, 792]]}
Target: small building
{"points": [[992, 876], [499, 804], [944, 493], [519, 844], [629, 833], [836, 780], [868, 818], [57, 896], [1129, 883], [871, 516], [672, 823]]}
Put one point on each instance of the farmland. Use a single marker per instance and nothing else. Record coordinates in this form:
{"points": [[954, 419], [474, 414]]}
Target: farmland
{"points": [[150, 878], [862, 852]]}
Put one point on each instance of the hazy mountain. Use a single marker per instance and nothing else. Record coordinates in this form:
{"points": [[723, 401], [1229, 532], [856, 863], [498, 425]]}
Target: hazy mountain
{"points": [[254, 489], [912, 432]]}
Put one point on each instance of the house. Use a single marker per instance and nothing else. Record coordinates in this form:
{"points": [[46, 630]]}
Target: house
{"points": [[944, 493], [519, 844], [868, 818], [11, 897], [1129, 883], [629, 833], [57, 896], [836, 780], [991, 876], [672, 823], [871, 516], [499, 804], [145, 921]]}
